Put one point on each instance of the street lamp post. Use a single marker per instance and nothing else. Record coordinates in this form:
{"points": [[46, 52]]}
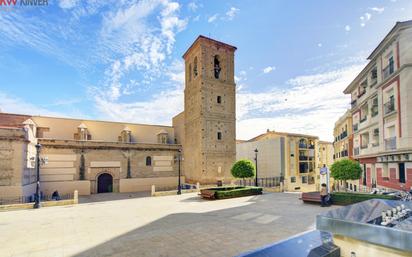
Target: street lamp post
{"points": [[37, 200], [256, 159], [179, 187]]}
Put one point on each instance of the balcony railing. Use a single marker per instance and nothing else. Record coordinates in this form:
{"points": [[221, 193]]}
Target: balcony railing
{"points": [[374, 110], [361, 93], [311, 147], [343, 134], [390, 143], [355, 127], [303, 158], [353, 103], [389, 106], [388, 70], [364, 146], [356, 151], [373, 82], [363, 119]]}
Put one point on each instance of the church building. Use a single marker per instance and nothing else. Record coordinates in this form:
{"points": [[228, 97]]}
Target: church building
{"points": [[101, 156]]}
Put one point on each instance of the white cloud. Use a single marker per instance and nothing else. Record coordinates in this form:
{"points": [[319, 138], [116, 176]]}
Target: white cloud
{"points": [[17, 105], [365, 18], [192, 6], [137, 44], [319, 44], [232, 13], [310, 105], [212, 18], [377, 9], [347, 28], [269, 69]]}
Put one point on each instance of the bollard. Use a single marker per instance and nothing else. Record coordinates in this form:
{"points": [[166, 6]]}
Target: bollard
{"points": [[198, 187], [153, 190], [76, 197]]}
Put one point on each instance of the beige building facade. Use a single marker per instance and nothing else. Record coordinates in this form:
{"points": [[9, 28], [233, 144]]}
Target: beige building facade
{"points": [[297, 158], [100, 156], [382, 112]]}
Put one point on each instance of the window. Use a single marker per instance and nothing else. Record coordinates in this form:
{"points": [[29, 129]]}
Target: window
{"points": [[304, 180], [195, 67], [219, 99], [292, 179], [219, 135], [216, 66], [148, 161], [374, 108]]}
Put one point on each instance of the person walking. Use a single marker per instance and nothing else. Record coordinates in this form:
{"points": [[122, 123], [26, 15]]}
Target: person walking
{"points": [[323, 195]]}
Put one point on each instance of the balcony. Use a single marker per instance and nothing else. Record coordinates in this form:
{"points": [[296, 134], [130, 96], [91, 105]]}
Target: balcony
{"points": [[303, 158], [389, 107], [356, 151], [390, 143], [361, 93], [311, 147], [373, 82], [374, 110], [353, 103], [343, 134], [363, 146], [363, 119], [388, 70], [355, 127]]}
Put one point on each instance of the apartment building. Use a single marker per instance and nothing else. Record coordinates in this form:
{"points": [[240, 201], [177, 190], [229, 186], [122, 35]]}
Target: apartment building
{"points": [[296, 157], [342, 145], [382, 112]]}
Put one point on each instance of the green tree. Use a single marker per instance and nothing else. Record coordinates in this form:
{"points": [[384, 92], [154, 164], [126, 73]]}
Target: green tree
{"points": [[243, 169], [346, 170]]}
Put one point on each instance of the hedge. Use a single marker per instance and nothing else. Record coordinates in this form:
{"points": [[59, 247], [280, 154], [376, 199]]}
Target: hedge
{"points": [[346, 198], [224, 193]]}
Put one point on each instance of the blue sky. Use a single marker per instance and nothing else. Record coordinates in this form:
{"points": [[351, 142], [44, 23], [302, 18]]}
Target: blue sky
{"points": [[121, 60]]}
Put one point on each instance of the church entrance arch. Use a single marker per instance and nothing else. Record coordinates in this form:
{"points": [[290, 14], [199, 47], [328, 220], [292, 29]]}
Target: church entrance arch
{"points": [[104, 183]]}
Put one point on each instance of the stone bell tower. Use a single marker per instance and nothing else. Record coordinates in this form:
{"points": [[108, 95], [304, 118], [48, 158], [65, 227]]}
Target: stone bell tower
{"points": [[210, 111]]}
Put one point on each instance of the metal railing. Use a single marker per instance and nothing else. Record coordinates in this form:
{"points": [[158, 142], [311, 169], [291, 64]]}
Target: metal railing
{"points": [[355, 127], [361, 93], [303, 158], [389, 106], [390, 143], [388, 70], [262, 182], [356, 151], [363, 119], [30, 199], [353, 103]]}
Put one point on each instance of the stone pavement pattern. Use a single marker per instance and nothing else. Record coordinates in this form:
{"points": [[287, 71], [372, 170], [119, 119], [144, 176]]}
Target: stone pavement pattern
{"points": [[156, 226]]}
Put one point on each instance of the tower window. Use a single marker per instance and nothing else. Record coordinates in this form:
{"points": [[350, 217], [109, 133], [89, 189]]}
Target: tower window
{"points": [[216, 66], [219, 99], [148, 161], [195, 67], [219, 135]]}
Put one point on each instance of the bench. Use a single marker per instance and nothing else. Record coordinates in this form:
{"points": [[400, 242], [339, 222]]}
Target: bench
{"points": [[313, 197], [209, 194]]}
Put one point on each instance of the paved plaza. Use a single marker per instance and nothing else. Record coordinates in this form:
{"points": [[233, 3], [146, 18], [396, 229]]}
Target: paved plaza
{"points": [[155, 226]]}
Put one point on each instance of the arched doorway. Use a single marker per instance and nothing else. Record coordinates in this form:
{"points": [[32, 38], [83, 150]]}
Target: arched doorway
{"points": [[104, 183]]}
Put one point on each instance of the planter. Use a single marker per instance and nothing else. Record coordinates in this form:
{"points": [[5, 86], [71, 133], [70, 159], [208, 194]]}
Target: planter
{"points": [[229, 192]]}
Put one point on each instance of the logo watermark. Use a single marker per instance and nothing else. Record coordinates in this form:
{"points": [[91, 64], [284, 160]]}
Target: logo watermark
{"points": [[11, 4]]}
